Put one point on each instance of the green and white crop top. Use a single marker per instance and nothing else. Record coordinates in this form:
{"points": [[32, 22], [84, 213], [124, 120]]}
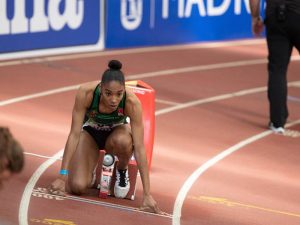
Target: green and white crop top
{"points": [[104, 121]]}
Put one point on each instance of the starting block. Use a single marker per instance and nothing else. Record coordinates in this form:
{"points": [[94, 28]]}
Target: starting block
{"points": [[106, 175]]}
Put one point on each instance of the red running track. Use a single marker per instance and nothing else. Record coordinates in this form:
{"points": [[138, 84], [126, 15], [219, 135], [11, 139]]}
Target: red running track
{"points": [[214, 161]]}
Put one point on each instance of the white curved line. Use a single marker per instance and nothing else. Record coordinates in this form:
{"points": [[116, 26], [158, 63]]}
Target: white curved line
{"points": [[155, 74], [38, 95], [197, 173], [39, 155], [23, 209]]}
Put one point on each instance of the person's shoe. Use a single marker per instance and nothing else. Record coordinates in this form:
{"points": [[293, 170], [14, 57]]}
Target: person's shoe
{"points": [[122, 184], [277, 130]]}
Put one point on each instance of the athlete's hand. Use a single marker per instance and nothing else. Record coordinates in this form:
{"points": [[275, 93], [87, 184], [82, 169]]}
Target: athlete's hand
{"points": [[150, 205], [257, 26], [58, 187]]}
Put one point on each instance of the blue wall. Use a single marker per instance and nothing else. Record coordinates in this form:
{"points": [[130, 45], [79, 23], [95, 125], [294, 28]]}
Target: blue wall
{"points": [[43, 27], [163, 22]]}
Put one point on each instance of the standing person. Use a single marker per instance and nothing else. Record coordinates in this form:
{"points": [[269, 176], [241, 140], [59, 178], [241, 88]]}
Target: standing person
{"points": [[99, 122], [11, 155], [282, 33]]}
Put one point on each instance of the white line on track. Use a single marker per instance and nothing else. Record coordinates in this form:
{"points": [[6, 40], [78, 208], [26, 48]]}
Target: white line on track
{"points": [[217, 98], [151, 74], [101, 203], [38, 95], [24, 204], [208, 100], [294, 99], [166, 102], [211, 162], [39, 156]]}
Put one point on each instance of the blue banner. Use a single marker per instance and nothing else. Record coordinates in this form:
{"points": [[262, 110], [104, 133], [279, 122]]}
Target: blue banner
{"points": [[27, 25], [132, 23]]}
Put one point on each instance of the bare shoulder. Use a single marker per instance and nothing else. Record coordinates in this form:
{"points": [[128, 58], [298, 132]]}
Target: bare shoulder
{"points": [[133, 104], [131, 98], [85, 92], [88, 87]]}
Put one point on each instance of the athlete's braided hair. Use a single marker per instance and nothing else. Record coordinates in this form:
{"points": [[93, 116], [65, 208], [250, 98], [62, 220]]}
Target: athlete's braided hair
{"points": [[11, 150], [113, 73]]}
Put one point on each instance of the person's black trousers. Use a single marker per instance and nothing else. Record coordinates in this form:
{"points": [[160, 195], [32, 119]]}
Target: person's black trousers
{"points": [[281, 37]]}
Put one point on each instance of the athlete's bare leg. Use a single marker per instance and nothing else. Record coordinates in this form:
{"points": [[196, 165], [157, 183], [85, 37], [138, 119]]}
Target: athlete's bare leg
{"points": [[82, 164], [119, 143]]}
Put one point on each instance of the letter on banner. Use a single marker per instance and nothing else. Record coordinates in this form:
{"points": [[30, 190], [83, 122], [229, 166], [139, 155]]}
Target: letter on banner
{"points": [[19, 23], [4, 22], [189, 5], [131, 13], [217, 10], [72, 15], [39, 21], [165, 9], [238, 6]]}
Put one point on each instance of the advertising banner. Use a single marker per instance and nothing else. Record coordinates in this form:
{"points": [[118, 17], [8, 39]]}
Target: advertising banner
{"points": [[37, 27], [132, 23]]}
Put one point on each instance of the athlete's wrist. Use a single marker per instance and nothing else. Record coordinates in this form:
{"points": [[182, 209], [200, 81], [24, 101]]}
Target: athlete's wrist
{"points": [[64, 172], [256, 18]]}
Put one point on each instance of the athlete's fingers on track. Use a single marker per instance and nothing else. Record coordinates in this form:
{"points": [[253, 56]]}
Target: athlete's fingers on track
{"points": [[157, 211], [51, 189], [57, 192], [151, 210]]}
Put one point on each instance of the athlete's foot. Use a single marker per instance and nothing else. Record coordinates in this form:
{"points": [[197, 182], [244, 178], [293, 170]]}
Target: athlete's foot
{"points": [[122, 184]]}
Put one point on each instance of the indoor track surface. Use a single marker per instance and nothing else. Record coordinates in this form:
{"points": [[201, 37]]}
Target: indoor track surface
{"points": [[214, 160]]}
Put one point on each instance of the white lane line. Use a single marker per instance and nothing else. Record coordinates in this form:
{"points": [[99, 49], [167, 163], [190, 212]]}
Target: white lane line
{"points": [[204, 167], [205, 68], [191, 69], [38, 95], [166, 102], [24, 204], [42, 191], [39, 156], [295, 84], [294, 99], [208, 100], [135, 51], [151, 74]]}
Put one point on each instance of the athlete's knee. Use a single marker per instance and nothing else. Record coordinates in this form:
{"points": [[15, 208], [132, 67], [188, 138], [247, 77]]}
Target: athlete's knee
{"points": [[77, 186], [121, 141]]}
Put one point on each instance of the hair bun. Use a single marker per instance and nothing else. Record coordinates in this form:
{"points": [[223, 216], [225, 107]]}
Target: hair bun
{"points": [[115, 65]]}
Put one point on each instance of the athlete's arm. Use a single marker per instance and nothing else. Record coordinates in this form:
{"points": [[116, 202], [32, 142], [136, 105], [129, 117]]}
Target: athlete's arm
{"points": [[82, 101], [78, 114], [134, 111]]}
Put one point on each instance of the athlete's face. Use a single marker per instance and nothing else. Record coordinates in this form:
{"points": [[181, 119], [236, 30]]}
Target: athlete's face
{"points": [[112, 93]]}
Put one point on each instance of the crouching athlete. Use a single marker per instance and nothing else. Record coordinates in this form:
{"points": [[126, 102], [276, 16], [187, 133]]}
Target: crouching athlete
{"points": [[99, 122]]}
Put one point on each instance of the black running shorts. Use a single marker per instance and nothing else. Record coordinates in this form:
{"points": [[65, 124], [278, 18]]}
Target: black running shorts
{"points": [[100, 136]]}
